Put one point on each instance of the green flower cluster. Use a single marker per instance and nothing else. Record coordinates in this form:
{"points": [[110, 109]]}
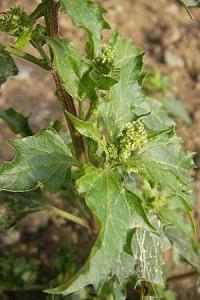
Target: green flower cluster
{"points": [[105, 61], [108, 55], [38, 35], [15, 22], [132, 138], [112, 156]]}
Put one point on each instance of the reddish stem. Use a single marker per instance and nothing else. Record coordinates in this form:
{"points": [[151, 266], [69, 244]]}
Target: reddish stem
{"points": [[51, 19]]}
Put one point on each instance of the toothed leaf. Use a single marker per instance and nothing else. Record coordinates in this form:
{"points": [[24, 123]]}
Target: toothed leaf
{"points": [[125, 51], [41, 160], [162, 161], [153, 115], [116, 210], [89, 16], [117, 109], [73, 70]]}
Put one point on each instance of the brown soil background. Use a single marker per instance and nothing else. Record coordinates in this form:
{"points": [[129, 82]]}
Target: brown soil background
{"points": [[162, 28]]}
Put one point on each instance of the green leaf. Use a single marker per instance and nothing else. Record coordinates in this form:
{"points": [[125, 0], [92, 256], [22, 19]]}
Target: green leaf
{"points": [[176, 108], [41, 160], [15, 206], [156, 82], [184, 246], [73, 69], [153, 114], [87, 129], [160, 292], [125, 51], [117, 110], [188, 210], [24, 39], [118, 292], [8, 67], [92, 148], [179, 233], [88, 15], [16, 121], [103, 82], [116, 210], [169, 295], [162, 161], [175, 217]]}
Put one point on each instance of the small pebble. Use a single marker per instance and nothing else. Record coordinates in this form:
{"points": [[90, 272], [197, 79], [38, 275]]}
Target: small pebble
{"points": [[173, 60], [170, 36]]}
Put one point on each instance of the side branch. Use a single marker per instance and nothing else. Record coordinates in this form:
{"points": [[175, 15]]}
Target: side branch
{"points": [[22, 54]]}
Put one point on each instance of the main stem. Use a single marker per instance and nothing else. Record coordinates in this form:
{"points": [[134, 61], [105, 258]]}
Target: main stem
{"points": [[51, 19]]}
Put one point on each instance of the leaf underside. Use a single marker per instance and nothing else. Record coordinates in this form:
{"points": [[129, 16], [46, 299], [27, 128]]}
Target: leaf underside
{"points": [[8, 67], [16, 121], [15, 206]]}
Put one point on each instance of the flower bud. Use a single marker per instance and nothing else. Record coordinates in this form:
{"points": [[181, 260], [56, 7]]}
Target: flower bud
{"points": [[105, 61], [14, 22], [39, 35]]}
